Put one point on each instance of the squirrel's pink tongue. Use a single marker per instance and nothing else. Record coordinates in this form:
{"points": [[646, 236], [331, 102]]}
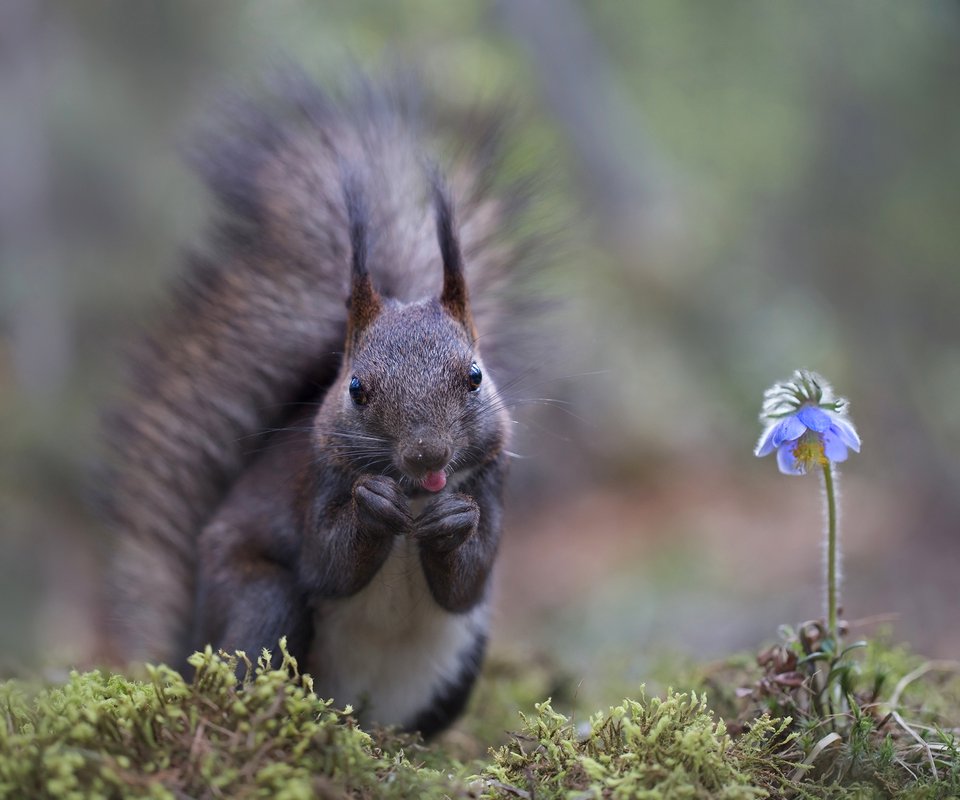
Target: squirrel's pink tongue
{"points": [[434, 481]]}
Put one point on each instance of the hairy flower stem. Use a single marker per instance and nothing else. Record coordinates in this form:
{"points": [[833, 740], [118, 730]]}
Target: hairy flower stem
{"points": [[833, 589]]}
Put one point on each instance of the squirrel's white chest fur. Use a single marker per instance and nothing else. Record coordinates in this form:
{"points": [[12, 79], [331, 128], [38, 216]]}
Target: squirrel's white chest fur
{"points": [[389, 649]]}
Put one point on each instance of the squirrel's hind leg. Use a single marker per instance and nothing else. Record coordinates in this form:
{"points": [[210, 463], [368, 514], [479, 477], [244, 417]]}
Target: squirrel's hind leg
{"points": [[245, 601], [248, 595]]}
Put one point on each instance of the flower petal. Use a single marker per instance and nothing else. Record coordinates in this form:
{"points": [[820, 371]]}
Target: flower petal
{"points": [[766, 444], [816, 419], [842, 428], [788, 462], [834, 447], [789, 429]]}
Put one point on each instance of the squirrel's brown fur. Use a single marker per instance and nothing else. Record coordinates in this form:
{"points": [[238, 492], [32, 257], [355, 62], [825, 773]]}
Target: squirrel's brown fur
{"points": [[260, 320]]}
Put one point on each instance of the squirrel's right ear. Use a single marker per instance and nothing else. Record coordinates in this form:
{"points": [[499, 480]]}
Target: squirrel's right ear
{"points": [[364, 302]]}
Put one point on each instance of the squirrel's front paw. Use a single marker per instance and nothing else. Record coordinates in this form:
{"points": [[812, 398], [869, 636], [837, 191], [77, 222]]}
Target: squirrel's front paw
{"points": [[381, 505], [447, 522]]}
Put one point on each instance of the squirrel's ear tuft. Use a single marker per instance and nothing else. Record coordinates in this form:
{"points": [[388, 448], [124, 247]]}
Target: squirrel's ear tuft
{"points": [[364, 303], [454, 295]]}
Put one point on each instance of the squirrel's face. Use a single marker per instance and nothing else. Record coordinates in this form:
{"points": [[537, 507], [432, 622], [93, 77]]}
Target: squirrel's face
{"points": [[413, 400]]}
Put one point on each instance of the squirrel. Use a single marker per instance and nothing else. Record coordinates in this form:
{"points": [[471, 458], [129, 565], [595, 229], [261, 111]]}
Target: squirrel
{"points": [[312, 444]]}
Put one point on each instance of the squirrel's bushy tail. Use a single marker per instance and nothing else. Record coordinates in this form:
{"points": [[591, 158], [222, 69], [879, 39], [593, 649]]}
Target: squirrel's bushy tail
{"points": [[258, 321]]}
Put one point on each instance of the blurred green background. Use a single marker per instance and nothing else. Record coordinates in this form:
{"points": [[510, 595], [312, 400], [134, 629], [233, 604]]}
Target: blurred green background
{"points": [[751, 187]]}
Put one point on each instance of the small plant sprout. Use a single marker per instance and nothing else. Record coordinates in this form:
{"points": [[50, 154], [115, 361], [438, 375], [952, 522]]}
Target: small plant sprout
{"points": [[809, 428]]}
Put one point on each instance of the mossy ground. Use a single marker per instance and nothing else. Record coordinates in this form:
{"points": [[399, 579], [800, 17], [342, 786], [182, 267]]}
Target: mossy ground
{"points": [[107, 736]]}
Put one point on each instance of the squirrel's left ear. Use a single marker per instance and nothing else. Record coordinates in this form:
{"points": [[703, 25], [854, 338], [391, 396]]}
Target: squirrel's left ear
{"points": [[364, 303], [454, 295]]}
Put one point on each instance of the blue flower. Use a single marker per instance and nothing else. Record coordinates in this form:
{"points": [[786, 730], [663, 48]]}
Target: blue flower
{"points": [[810, 436]]}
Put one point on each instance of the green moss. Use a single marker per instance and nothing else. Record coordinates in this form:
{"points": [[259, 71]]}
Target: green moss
{"points": [[887, 727], [647, 749], [511, 684], [107, 736]]}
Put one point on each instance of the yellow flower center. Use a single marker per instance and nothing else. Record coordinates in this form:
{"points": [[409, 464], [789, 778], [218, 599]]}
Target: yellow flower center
{"points": [[809, 450]]}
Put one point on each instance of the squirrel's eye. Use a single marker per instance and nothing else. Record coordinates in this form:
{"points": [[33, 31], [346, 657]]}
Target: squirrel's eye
{"points": [[357, 393], [475, 377]]}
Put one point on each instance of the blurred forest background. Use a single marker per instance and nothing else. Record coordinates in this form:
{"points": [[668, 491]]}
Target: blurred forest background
{"points": [[750, 186]]}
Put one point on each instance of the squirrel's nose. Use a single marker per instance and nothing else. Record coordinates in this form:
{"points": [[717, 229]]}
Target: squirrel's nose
{"points": [[425, 454]]}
